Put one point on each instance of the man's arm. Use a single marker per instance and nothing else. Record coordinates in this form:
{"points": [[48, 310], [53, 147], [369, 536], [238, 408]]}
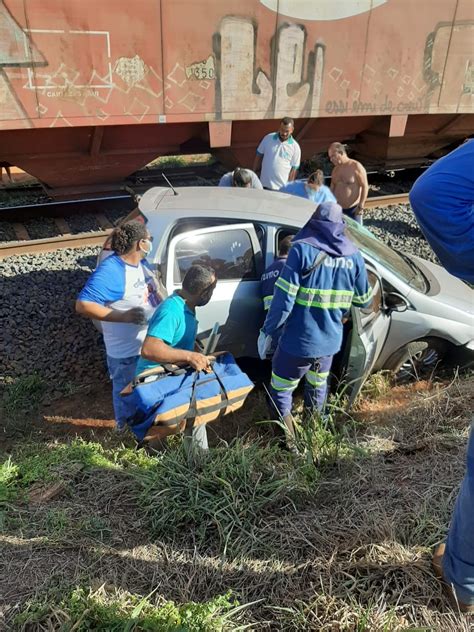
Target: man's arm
{"points": [[285, 291], [257, 163], [292, 174], [361, 177], [156, 350], [334, 179], [136, 315]]}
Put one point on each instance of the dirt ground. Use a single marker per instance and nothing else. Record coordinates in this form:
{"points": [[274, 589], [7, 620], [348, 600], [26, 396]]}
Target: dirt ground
{"points": [[358, 557]]}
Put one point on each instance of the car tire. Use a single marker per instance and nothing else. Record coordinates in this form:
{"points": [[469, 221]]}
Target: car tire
{"points": [[417, 359]]}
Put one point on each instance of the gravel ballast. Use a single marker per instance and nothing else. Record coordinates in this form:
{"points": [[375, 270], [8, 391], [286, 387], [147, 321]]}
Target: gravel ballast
{"points": [[41, 333]]}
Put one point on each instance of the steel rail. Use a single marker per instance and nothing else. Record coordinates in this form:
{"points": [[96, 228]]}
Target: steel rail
{"points": [[82, 240]]}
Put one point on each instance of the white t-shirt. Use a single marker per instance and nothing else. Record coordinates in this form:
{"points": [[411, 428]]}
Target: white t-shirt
{"points": [[278, 160], [121, 286]]}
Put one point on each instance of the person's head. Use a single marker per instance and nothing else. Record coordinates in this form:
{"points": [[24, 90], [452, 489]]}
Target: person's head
{"points": [[284, 246], [132, 237], [287, 125], [337, 153], [328, 212], [315, 180], [199, 283], [241, 178]]}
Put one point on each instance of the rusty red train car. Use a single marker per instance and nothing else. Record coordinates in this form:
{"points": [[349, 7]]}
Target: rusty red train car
{"points": [[91, 91]]}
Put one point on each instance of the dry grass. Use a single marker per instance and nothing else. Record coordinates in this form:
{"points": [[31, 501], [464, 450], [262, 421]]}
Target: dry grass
{"points": [[354, 556]]}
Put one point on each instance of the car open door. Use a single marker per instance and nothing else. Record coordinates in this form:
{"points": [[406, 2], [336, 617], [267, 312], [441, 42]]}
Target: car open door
{"points": [[234, 252], [370, 327]]}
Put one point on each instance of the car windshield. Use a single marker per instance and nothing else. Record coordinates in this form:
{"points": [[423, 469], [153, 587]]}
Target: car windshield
{"points": [[401, 265]]}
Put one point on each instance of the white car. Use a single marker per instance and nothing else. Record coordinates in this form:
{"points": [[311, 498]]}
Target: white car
{"points": [[419, 314]]}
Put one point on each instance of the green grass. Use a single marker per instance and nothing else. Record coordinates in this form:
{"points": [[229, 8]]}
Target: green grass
{"points": [[21, 396], [225, 498], [83, 610], [54, 462]]}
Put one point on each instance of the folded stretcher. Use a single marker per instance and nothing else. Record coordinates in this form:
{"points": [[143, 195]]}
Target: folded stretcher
{"points": [[166, 397]]}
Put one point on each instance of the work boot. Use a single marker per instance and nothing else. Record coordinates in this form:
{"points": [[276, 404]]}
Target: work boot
{"points": [[437, 563]]}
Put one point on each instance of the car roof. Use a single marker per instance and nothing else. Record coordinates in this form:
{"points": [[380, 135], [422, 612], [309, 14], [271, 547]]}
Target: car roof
{"points": [[226, 202]]}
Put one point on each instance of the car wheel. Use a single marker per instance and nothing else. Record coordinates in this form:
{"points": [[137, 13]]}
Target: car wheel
{"points": [[417, 360]]}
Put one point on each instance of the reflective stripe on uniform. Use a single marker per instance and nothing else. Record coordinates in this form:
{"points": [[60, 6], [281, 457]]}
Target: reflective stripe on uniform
{"points": [[267, 301], [282, 384], [317, 379], [362, 299], [329, 299], [289, 288]]}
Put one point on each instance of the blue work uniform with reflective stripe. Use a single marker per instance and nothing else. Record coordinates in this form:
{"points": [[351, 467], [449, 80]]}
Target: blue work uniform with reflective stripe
{"points": [[268, 280], [311, 305]]}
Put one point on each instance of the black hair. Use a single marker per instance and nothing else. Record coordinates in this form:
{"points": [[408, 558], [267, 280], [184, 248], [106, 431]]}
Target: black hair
{"points": [[241, 177], [197, 279], [126, 235], [286, 120], [317, 177], [284, 246]]}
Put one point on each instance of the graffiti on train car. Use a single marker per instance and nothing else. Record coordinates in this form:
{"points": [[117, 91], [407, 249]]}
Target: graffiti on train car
{"points": [[244, 71]]}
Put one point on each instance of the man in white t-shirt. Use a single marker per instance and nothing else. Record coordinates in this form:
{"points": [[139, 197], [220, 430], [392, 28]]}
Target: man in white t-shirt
{"points": [[123, 295], [278, 157]]}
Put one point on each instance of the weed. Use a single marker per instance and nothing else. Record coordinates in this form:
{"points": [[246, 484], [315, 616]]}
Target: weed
{"points": [[225, 498], [50, 463], [120, 611], [377, 385], [22, 395], [57, 522]]}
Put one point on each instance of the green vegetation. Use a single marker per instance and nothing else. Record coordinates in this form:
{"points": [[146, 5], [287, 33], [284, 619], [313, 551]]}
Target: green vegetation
{"points": [[120, 611], [226, 496], [22, 395], [341, 538]]}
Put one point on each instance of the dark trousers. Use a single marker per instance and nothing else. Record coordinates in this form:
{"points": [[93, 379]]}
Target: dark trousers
{"points": [[287, 371]]}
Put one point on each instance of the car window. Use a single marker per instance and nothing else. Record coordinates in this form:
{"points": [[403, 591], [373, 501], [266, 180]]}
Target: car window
{"points": [[229, 253], [400, 265]]}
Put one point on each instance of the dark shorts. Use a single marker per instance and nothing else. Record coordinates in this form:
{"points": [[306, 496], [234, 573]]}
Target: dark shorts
{"points": [[351, 213]]}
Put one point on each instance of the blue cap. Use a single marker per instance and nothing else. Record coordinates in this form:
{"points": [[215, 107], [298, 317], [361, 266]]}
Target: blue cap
{"points": [[328, 212]]}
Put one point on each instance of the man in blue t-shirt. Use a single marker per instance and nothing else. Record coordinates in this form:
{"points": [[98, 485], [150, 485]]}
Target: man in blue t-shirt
{"points": [[171, 335], [443, 203], [312, 189]]}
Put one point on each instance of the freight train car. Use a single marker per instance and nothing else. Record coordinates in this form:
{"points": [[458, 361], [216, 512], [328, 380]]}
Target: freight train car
{"points": [[91, 91]]}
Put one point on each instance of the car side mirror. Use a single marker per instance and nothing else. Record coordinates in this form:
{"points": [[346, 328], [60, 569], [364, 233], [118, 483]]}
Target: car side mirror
{"points": [[395, 302]]}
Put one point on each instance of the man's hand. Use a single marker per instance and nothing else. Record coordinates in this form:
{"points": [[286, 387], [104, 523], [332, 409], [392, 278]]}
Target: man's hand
{"points": [[198, 361], [135, 315], [360, 210]]}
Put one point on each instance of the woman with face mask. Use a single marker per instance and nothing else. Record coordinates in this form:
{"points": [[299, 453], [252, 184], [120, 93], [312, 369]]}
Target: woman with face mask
{"points": [[122, 294], [312, 189]]}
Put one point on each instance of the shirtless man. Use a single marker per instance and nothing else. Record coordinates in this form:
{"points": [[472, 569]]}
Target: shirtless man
{"points": [[348, 182]]}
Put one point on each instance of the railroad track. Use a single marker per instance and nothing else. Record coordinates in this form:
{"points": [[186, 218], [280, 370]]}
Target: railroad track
{"points": [[25, 245]]}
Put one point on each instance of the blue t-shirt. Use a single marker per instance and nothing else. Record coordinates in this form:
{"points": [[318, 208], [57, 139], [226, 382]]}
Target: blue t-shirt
{"points": [[175, 324], [122, 286], [443, 202], [298, 187]]}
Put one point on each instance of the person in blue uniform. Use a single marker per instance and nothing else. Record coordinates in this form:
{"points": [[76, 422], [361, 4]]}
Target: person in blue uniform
{"points": [[312, 189], [323, 277], [443, 202], [270, 277]]}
